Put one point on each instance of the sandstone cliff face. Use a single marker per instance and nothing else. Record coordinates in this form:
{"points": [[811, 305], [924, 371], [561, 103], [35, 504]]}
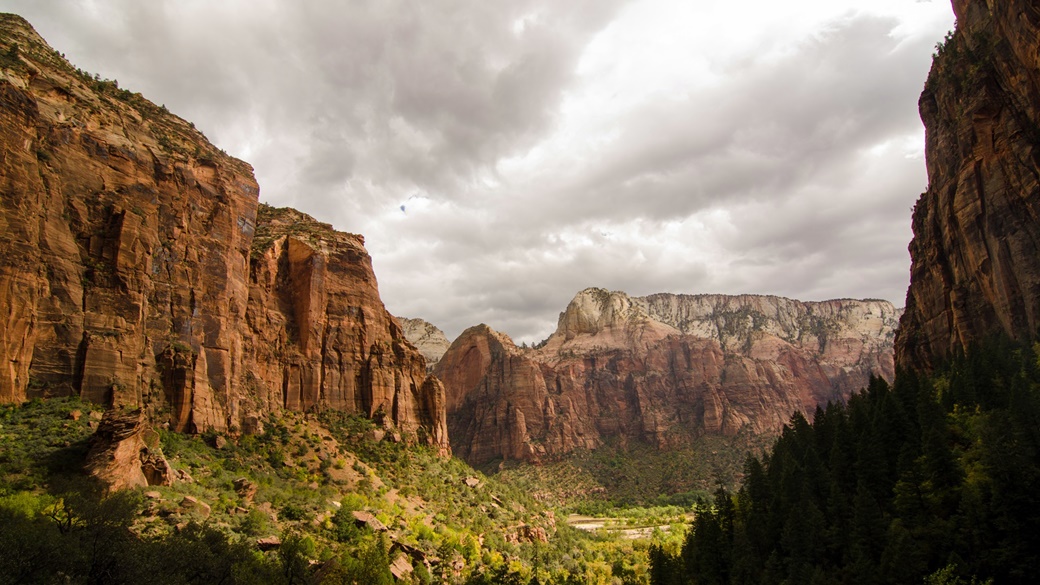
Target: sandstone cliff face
{"points": [[426, 337], [131, 271], [976, 246], [321, 335], [663, 369]]}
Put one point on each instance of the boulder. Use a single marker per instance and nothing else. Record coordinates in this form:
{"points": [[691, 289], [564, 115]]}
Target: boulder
{"points": [[194, 506], [401, 568], [368, 520], [268, 543]]}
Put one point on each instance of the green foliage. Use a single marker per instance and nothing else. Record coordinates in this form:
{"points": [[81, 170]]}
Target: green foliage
{"points": [[941, 47], [41, 440], [964, 61], [10, 59], [295, 555], [635, 475], [83, 537], [948, 576], [255, 523], [369, 563], [929, 480], [306, 477]]}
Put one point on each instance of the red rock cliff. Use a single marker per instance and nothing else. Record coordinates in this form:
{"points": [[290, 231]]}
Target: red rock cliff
{"points": [[134, 269], [976, 247], [663, 369], [321, 336]]}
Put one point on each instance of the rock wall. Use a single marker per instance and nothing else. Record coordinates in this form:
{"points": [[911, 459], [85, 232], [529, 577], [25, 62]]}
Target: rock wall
{"points": [[134, 269], [663, 369], [976, 248], [322, 337]]}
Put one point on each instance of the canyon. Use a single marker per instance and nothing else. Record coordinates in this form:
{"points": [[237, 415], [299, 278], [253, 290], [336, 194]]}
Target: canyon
{"points": [[139, 269], [663, 370]]}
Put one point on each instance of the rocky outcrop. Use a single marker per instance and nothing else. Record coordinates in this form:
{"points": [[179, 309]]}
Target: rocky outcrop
{"points": [[976, 248], [663, 369], [137, 269], [427, 338], [124, 453]]}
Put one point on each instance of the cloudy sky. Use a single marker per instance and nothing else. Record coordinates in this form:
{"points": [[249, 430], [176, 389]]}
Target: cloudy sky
{"points": [[500, 156]]}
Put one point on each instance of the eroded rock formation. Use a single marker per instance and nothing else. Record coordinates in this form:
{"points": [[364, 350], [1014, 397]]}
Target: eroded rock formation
{"points": [[124, 452], [976, 246], [664, 369], [135, 270]]}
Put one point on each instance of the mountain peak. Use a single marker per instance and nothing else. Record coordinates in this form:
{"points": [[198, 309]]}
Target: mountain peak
{"points": [[594, 309], [426, 337]]}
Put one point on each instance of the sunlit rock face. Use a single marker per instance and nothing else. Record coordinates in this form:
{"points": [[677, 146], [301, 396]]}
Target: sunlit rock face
{"points": [[663, 369], [137, 269], [976, 246]]}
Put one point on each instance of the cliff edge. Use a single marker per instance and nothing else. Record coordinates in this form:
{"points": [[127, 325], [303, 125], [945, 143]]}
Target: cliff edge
{"points": [[976, 248], [137, 269]]}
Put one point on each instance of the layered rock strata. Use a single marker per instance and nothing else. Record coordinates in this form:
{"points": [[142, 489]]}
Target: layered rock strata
{"points": [[135, 270], [663, 369], [976, 248]]}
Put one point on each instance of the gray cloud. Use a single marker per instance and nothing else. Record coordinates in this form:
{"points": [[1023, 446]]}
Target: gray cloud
{"points": [[787, 173]]}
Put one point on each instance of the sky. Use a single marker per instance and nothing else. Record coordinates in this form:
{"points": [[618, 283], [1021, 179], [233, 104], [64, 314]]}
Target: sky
{"points": [[499, 157]]}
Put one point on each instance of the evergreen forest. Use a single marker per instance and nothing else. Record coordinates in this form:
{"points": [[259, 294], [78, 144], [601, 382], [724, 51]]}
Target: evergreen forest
{"points": [[928, 480]]}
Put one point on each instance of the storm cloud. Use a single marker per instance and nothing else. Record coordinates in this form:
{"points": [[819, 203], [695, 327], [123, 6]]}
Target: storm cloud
{"points": [[499, 157]]}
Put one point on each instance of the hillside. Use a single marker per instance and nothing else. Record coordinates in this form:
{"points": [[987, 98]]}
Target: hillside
{"points": [[311, 499]]}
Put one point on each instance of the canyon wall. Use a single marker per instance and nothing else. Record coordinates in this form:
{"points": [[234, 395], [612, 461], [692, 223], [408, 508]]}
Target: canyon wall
{"points": [[976, 248], [136, 270], [663, 369]]}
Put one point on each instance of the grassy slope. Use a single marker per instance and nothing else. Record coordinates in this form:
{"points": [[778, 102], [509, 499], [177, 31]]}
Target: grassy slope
{"points": [[309, 474]]}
